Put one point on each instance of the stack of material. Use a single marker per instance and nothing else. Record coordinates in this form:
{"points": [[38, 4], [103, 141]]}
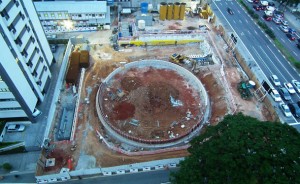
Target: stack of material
{"points": [[84, 59], [73, 70]]}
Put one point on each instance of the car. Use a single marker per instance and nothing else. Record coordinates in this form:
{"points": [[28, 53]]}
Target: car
{"points": [[15, 128], [292, 31], [250, 1], [296, 85], [298, 45], [276, 16], [229, 10], [294, 109], [256, 1], [275, 80], [283, 28], [277, 21], [275, 95], [262, 7], [289, 87], [267, 18], [284, 94], [291, 36], [279, 13], [285, 110], [284, 22], [257, 8]]}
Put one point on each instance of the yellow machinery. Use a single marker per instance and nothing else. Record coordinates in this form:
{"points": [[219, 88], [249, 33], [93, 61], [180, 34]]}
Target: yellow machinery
{"points": [[170, 11], [177, 58], [182, 11], [176, 11], [163, 11], [156, 42]]}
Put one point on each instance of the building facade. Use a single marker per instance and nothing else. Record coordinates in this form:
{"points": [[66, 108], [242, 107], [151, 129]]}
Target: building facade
{"points": [[65, 16], [25, 60]]}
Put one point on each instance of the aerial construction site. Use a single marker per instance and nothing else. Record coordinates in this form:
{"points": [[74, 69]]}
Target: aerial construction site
{"points": [[149, 89]]}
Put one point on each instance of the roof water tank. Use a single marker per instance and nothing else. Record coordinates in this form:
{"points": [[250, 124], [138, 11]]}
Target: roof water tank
{"points": [[144, 7], [150, 7], [141, 24]]}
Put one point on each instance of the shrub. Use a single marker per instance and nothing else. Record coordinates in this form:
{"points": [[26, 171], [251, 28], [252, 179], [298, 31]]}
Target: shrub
{"points": [[7, 166], [297, 65], [255, 16]]}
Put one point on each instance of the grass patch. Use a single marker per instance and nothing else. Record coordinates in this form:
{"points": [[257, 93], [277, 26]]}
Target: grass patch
{"points": [[5, 144], [20, 149], [287, 54]]}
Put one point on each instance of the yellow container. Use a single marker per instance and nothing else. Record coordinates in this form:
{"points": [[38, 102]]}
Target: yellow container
{"points": [[176, 11], [170, 11], [163, 11], [182, 11]]}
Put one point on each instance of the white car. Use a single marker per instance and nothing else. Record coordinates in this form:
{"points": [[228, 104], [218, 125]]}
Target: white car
{"points": [[285, 110], [275, 95], [275, 80], [284, 22], [289, 87], [15, 128], [296, 85], [250, 1], [283, 28]]}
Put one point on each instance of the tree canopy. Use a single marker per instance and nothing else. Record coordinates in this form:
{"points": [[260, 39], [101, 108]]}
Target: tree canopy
{"points": [[242, 149]]}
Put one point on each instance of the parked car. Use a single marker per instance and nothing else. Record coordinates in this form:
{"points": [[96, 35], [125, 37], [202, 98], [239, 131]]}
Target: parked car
{"points": [[15, 128], [294, 109], [289, 87], [275, 80], [229, 10], [285, 110], [284, 94], [296, 85], [284, 22], [267, 18], [256, 1], [283, 28], [250, 1], [271, 4], [262, 7], [298, 45], [291, 36], [277, 21], [275, 95]]}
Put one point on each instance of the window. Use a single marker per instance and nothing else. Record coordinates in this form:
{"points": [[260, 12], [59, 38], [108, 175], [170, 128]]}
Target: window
{"points": [[4, 14], [39, 15], [66, 15], [32, 39], [29, 63], [45, 68], [16, 2], [24, 53], [12, 29], [18, 41], [93, 15], [27, 28], [52, 15], [59, 14], [41, 59], [79, 15], [45, 14], [22, 15], [37, 50], [34, 73]]}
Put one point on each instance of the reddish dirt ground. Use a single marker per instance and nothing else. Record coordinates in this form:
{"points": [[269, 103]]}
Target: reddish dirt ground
{"points": [[147, 99], [104, 60]]}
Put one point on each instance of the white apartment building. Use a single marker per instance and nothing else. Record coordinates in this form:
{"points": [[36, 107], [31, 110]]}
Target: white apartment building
{"points": [[25, 60]]}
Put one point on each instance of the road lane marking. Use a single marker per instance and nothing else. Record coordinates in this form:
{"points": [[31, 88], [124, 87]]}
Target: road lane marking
{"points": [[234, 21], [282, 40], [249, 32], [255, 32], [295, 53], [246, 21], [240, 21], [257, 54]]}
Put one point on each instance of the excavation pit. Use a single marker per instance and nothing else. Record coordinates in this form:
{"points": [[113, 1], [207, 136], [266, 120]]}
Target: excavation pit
{"points": [[152, 103]]}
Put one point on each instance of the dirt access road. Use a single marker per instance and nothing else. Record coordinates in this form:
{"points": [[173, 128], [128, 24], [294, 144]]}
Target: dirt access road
{"points": [[220, 83]]}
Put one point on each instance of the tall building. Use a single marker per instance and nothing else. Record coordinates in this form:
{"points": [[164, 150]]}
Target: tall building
{"points": [[25, 60]]}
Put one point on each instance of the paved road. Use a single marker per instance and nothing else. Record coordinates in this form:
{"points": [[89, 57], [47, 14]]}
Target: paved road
{"points": [[264, 55], [152, 177], [281, 36]]}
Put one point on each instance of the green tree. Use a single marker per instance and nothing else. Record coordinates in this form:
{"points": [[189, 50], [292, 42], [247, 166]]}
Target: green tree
{"points": [[242, 149], [7, 166]]}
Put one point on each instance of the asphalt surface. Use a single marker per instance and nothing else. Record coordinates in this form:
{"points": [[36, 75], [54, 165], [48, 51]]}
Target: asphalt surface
{"points": [[263, 52]]}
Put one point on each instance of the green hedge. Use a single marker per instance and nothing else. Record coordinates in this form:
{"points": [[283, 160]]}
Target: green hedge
{"points": [[58, 41], [20, 149]]}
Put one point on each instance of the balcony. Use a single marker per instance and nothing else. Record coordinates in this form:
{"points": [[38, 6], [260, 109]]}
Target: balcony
{"points": [[12, 113], [6, 95], [18, 27], [3, 5], [9, 104], [13, 13], [25, 39]]}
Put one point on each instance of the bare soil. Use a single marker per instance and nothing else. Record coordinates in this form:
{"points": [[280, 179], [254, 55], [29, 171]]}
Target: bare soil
{"points": [[224, 99]]}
